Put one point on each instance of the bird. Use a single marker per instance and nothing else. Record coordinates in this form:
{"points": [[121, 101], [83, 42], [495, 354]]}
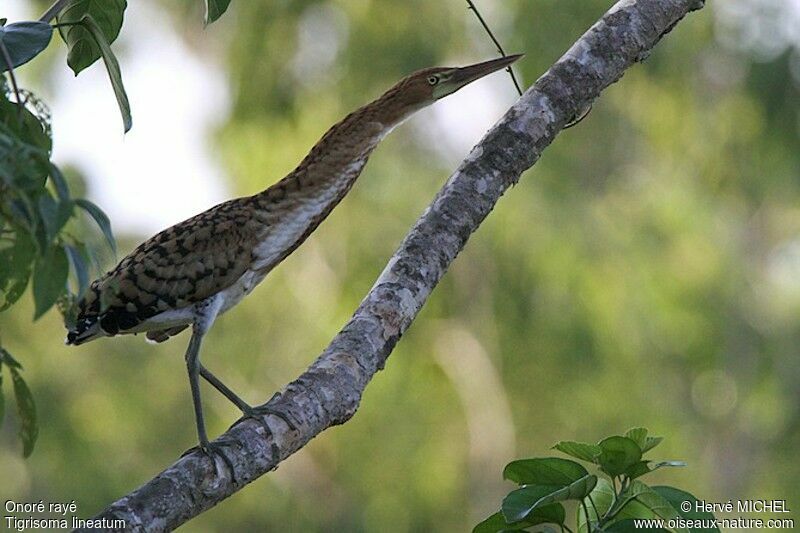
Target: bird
{"points": [[193, 272]]}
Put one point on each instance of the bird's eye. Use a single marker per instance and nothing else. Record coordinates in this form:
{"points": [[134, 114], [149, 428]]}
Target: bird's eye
{"points": [[433, 80]]}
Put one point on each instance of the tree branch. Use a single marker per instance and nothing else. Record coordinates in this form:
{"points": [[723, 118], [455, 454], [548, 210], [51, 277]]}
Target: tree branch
{"points": [[329, 392]]}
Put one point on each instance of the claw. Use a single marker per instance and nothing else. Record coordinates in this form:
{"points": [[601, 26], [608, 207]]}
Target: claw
{"points": [[263, 410], [258, 413], [212, 450]]}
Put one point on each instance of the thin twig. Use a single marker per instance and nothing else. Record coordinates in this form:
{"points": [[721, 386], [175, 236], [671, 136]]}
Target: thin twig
{"points": [[471, 6], [57, 7]]}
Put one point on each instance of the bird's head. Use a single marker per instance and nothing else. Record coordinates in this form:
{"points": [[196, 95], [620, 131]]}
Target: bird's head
{"points": [[426, 86]]}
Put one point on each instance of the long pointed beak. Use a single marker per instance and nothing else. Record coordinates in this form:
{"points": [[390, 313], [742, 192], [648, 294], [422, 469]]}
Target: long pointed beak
{"points": [[464, 75]]}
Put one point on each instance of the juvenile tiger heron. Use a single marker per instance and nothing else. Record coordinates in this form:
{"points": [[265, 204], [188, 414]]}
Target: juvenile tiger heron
{"points": [[191, 273]]}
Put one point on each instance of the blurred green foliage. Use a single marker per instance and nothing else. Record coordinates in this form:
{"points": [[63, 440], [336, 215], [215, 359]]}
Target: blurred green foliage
{"points": [[644, 271], [42, 237]]}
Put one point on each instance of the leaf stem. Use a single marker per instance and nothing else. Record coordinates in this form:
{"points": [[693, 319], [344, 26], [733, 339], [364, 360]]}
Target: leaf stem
{"points": [[7, 60], [53, 11], [471, 6], [586, 512], [65, 24], [596, 512]]}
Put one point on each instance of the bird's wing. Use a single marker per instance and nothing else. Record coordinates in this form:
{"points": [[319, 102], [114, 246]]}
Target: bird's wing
{"points": [[176, 268]]}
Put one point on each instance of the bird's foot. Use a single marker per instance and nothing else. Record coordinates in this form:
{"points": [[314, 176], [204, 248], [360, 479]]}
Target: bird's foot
{"points": [[258, 414], [212, 450], [261, 411]]}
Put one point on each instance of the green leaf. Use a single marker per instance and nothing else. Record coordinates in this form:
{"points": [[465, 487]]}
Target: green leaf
{"points": [[676, 497], [618, 454], [114, 73], [548, 514], [645, 467], [579, 450], [60, 184], [26, 411], [637, 435], [77, 258], [84, 49], [54, 214], [602, 497], [101, 219], [23, 41], [660, 506], [49, 279], [650, 443], [16, 261], [28, 129], [640, 501], [9, 360], [544, 471], [520, 503], [215, 9]]}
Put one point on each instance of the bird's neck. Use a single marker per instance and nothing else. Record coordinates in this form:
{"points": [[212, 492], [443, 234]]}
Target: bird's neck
{"points": [[291, 209], [332, 166]]}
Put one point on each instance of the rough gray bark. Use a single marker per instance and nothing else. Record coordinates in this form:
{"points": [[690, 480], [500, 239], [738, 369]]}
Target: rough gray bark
{"points": [[328, 393]]}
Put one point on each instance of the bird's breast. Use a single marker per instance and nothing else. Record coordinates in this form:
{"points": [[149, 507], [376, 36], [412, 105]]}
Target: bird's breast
{"points": [[242, 287], [288, 228]]}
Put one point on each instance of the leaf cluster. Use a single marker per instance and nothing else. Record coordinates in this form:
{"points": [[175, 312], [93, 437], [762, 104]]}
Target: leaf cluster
{"points": [[607, 501], [26, 408], [39, 222]]}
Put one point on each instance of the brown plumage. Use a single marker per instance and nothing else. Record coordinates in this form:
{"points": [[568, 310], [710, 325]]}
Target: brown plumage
{"points": [[198, 269]]}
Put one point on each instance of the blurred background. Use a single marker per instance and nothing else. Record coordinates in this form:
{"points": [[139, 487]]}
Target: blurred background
{"points": [[645, 272]]}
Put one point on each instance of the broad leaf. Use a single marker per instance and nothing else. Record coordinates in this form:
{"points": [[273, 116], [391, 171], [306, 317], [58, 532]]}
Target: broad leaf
{"points": [[78, 259], [215, 9], [579, 450], [650, 443], [548, 514], [618, 454], [83, 47], [24, 125], [26, 410], [637, 435], [101, 219], [49, 279], [597, 501], [54, 214], [520, 503], [676, 497], [9, 360], [544, 471], [60, 183], [23, 41], [114, 73], [16, 260], [640, 501]]}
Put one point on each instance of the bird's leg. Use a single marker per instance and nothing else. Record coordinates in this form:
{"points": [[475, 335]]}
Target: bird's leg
{"points": [[222, 388], [248, 411], [193, 368]]}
